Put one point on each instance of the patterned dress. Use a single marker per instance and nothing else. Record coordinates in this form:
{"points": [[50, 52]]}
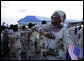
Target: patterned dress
{"points": [[17, 44], [24, 39], [59, 45]]}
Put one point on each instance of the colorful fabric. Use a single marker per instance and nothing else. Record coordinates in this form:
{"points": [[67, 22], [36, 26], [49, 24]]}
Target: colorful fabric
{"points": [[68, 56], [73, 52]]}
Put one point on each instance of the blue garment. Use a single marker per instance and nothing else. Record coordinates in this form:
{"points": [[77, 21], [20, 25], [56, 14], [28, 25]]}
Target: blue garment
{"points": [[68, 56], [76, 51], [81, 53]]}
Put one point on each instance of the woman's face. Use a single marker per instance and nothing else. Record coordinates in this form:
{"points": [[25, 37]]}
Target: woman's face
{"points": [[55, 19]]}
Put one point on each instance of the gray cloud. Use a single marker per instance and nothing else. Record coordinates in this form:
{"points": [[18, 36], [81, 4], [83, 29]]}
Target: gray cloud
{"points": [[4, 4], [22, 10]]}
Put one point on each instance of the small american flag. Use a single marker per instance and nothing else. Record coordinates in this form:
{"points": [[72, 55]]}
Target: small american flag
{"points": [[73, 52]]}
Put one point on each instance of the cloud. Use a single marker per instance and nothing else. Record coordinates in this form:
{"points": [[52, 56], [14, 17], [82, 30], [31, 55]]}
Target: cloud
{"points": [[4, 4], [22, 10]]}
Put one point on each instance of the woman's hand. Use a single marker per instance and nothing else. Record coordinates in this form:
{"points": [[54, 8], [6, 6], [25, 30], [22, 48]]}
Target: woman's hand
{"points": [[49, 35]]}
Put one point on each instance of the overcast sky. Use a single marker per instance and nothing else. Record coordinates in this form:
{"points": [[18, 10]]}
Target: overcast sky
{"points": [[12, 11]]}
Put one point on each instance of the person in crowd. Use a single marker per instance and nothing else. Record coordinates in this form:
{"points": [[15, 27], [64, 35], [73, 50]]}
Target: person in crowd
{"points": [[19, 28], [58, 39], [24, 38], [11, 26], [30, 25], [30, 52], [80, 43], [15, 44], [2, 41], [5, 40], [79, 27], [10, 32], [75, 31], [44, 22]]}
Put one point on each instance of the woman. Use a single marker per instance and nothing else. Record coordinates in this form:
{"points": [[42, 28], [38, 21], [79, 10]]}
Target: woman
{"points": [[30, 43], [15, 44], [58, 37], [23, 39]]}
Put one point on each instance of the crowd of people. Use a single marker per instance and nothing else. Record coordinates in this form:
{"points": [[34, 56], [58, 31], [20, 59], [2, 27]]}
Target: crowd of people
{"points": [[51, 41]]}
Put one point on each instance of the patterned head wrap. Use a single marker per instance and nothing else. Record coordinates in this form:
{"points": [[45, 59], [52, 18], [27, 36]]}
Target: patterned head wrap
{"points": [[61, 14]]}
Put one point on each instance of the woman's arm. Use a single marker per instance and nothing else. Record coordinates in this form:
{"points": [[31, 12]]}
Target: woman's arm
{"points": [[43, 32]]}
